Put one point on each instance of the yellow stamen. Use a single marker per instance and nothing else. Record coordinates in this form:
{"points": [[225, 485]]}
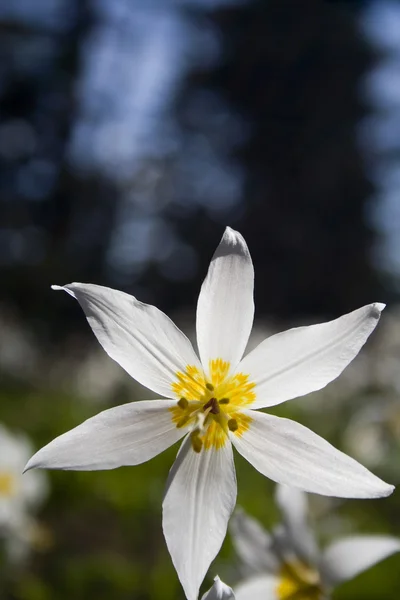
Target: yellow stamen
{"points": [[299, 581], [7, 484], [183, 421], [183, 403], [197, 442], [233, 425], [212, 408]]}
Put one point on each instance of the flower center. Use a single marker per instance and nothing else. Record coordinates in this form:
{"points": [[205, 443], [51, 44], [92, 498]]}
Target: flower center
{"points": [[213, 405], [7, 484], [210, 409], [299, 581]]}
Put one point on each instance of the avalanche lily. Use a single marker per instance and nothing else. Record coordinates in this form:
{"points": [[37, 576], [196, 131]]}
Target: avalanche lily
{"points": [[286, 565], [20, 497], [212, 403]]}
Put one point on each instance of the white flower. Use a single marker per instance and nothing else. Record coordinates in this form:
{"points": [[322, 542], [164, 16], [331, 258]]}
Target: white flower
{"points": [[373, 432], [24, 534], [287, 564], [212, 401], [219, 591], [20, 495]]}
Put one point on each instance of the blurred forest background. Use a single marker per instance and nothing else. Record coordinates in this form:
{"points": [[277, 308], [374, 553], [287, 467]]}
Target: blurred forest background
{"points": [[131, 133]]}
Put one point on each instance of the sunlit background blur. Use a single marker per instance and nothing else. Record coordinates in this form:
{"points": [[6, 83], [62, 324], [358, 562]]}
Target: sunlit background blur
{"points": [[131, 133]]}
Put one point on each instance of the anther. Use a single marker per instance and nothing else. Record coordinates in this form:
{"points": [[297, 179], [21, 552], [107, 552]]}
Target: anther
{"points": [[183, 403], [210, 387], [224, 401], [233, 425], [197, 443], [212, 404], [182, 422]]}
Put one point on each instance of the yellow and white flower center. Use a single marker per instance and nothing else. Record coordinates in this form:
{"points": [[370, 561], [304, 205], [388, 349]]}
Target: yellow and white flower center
{"points": [[8, 484], [299, 581], [211, 408]]}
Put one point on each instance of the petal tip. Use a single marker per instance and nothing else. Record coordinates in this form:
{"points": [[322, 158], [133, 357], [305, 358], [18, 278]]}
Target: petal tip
{"points": [[29, 465], [381, 491], [231, 236], [36, 462], [68, 288], [376, 489], [233, 242], [389, 489], [376, 309]]}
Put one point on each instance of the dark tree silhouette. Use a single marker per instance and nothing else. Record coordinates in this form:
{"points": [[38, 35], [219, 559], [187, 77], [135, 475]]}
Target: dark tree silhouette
{"points": [[287, 80], [56, 222], [291, 71]]}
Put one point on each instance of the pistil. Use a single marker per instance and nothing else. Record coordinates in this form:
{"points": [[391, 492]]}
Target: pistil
{"points": [[213, 405]]}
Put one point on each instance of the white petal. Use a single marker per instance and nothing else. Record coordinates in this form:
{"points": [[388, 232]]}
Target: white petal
{"points": [[253, 544], [225, 308], [348, 557], [126, 435], [261, 587], [199, 499], [219, 591], [291, 454], [306, 359], [293, 505], [139, 337]]}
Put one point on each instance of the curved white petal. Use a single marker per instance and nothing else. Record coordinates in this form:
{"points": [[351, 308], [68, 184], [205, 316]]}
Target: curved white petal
{"points": [[253, 544], [260, 587], [219, 591], [225, 308], [293, 505], [199, 499], [126, 435], [291, 454], [139, 337], [348, 557], [305, 359]]}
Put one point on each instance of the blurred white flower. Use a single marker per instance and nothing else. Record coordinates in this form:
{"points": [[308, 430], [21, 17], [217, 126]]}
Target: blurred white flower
{"points": [[373, 433], [366, 434], [219, 591], [25, 534], [384, 364], [97, 378], [287, 564], [18, 352], [20, 495], [214, 402]]}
